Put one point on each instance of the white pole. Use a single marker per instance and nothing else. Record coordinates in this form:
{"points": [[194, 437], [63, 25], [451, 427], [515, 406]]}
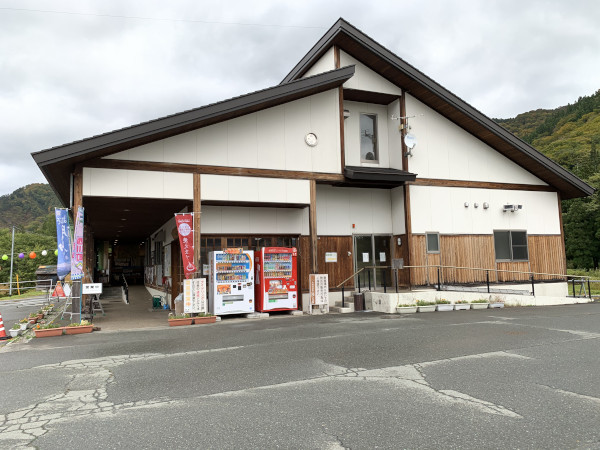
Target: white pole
{"points": [[12, 254]]}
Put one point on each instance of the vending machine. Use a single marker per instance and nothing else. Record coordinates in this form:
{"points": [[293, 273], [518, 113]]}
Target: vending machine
{"points": [[231, 289], [276, 279]]}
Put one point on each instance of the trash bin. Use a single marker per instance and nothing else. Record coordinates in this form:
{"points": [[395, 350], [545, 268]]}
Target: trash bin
{"points": [[179, 304], [156, 302], [359, 302]]}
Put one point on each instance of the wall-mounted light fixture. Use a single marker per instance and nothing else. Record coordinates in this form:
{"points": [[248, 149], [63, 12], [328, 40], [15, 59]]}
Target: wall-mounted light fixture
{"points": [[486, 205], [466, 204], [346, 113], [475, 205]]}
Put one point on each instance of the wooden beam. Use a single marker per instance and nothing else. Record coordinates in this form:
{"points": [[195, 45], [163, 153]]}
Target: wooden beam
{"points": [[481, 185], [312, 217], [212, 170], [197, 215]]}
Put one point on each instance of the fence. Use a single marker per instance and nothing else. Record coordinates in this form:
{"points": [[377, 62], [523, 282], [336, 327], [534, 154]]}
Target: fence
{"points": [[583, 283]]}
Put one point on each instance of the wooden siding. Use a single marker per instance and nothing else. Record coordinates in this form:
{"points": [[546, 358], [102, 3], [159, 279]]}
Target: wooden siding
{"points": [[546, 255], [401, 252], [339, 271]]}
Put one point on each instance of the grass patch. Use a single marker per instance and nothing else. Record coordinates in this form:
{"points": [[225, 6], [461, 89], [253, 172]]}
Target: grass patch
{"points": [[29, 294]]}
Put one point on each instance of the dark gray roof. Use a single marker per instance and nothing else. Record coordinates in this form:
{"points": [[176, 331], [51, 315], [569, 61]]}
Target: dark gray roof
{"points": [[396, 70]]}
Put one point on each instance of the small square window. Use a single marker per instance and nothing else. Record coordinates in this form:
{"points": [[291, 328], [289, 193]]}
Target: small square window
{"points": [[511, 245], [433, 242]]}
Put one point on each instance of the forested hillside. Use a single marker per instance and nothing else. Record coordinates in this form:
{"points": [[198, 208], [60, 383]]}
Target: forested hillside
{"points": [[570, 135], [31, 210]]}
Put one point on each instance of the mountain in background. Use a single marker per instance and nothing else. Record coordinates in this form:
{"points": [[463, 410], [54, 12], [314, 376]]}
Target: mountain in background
{"points": [[570, 135], [30, 208]]}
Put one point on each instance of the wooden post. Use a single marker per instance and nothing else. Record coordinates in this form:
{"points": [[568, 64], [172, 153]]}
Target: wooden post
{"points": [[406, 188], [312, 218], [197, 234]]}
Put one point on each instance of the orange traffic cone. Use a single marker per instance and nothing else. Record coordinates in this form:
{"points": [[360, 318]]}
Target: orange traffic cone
{"points": [[3, 335]]}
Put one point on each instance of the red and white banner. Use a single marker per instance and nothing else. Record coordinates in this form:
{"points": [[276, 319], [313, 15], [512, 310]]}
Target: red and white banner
{"points": [[185, 228]]}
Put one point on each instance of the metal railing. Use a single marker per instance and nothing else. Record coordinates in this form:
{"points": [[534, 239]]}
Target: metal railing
{"points": [[530, 276], [18, 286]]}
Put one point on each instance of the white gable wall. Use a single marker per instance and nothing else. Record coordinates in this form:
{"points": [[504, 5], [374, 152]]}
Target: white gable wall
{"points": [[446, 151], [442, 209], [324, 64], [268, 139], [365, 79]]}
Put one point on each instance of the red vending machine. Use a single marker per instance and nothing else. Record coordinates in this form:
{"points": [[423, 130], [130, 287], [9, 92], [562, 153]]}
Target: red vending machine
{"points": [[276, 279]]}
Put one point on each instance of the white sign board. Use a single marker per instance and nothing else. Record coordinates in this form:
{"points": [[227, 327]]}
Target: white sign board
{"points": [[194, 295], [365, 257], [330, 257], [319, 288], [91, 288], [382, 256]]}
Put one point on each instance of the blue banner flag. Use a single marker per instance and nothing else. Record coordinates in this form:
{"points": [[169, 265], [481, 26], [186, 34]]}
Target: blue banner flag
{"points": [[63, 239]]}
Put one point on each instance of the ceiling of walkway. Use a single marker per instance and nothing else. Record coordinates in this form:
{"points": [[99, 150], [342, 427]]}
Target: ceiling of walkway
{"points": [[128, 219]]}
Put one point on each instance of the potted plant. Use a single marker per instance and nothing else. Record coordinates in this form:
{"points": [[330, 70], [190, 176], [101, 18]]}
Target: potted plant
{"points": [[176, 320], [461, 305], [77, 328], [444, 305], [497, 302], [24, 323], [40, 314], [33, 318], [48, 330], [406, 309], [425, 306], [202, 318], [480, 303], [15, 330]]}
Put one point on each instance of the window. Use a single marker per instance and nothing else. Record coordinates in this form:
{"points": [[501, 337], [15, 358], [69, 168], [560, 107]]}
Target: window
{"points": [[433, 242], [368, 138], [158, 253], [511, 245]]}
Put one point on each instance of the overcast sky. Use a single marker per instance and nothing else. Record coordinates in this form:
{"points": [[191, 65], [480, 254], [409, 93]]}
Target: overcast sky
{"points": [[72, 69]]}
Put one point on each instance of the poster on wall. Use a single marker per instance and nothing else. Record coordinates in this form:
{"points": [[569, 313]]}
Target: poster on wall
{"points": [[167, 260], [194, 295], [331, 257], [185, 228]]}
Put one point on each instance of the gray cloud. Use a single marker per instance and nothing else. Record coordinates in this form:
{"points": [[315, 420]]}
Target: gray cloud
{"points": [[65, 76]]}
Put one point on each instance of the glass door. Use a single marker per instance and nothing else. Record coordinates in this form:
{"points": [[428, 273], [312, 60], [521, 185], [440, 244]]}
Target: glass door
{"points": [[363, 257], [372, 251], [381, 246]]}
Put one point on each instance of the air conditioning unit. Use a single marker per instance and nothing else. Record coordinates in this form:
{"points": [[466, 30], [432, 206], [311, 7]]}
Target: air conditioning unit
{"points": [[511, 208]]}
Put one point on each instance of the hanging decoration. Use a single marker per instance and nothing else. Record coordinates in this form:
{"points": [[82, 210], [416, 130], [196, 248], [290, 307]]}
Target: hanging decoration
{"points": [[32, 255], [44, 252], [21, 255], [4, 257]]}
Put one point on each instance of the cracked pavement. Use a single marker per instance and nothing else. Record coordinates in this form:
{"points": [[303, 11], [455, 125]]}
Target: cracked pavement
{"points": [[513, 378]]}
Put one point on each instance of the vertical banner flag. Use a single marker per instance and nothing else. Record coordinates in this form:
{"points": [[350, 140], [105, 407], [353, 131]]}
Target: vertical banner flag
{"points": [[77, 257], [63, 240], [185, 228]]}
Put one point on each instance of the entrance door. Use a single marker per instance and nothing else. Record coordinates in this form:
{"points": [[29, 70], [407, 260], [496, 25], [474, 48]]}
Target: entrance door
{"points": [[372, 251]]}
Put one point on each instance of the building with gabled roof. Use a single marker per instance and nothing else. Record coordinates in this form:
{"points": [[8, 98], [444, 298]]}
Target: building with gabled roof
{"points": [[356, 158]]}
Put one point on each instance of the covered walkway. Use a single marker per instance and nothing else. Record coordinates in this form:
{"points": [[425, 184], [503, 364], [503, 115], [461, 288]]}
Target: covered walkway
{"points": [[122, 316]]}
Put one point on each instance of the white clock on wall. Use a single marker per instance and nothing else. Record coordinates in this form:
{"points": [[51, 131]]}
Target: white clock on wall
{"points": [[311, 139]]}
